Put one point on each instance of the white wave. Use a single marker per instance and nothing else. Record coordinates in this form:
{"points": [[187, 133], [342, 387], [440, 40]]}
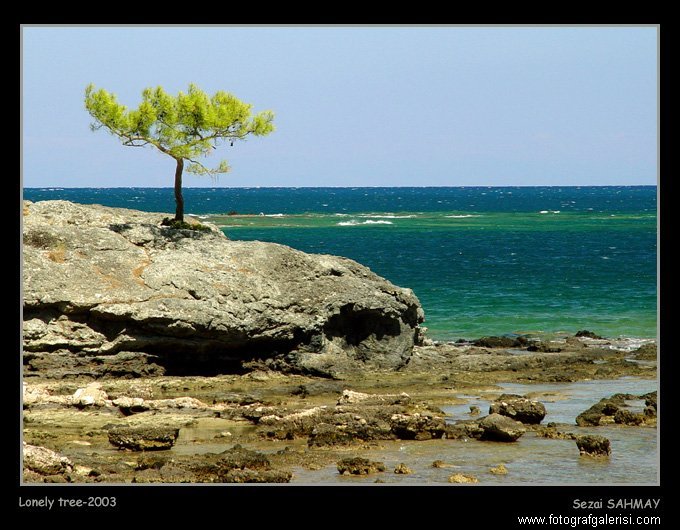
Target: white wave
{"points": [[369, 222], [389, 216], [460, 216], [627, 344], [544, 211], [274, 215]]}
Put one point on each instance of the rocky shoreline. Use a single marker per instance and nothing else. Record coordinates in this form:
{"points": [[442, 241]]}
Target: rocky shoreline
{"points": [[178, 356], [267, 426]]}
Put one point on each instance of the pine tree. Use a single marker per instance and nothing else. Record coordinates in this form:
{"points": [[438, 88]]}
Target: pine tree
{"points": [[185, 127]]}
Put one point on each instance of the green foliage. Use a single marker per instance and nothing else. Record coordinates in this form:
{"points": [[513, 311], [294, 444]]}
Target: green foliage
{"points": [[187, 126], [183, 225]]}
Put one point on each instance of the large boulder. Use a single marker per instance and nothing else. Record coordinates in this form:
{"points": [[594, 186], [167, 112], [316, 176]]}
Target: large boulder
{"points": [[100, 281], [501, 428]]}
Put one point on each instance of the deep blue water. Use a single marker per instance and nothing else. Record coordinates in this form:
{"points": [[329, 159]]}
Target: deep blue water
{"points": [[482, 260]]}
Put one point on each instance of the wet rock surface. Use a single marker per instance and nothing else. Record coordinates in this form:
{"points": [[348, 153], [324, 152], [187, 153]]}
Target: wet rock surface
{"points": [[593, 445], [519, 408], [143, 438], [359, 466]]}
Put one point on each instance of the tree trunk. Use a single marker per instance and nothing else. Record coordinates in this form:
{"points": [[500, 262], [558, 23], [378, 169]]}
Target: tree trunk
{"points": [[179, 200]]}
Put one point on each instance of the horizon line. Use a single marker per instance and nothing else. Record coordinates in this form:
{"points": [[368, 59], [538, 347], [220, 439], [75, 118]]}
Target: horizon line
{"points": [[350, 187]]}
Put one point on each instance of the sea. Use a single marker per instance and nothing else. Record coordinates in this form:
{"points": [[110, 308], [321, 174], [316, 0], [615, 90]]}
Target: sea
{"points": [[482, 260]]}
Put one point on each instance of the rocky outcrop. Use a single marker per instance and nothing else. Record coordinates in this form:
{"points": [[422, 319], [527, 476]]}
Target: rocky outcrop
{"points": [[519, 408], [103, 284], [236, 465], [356, 417], [615, 409]]}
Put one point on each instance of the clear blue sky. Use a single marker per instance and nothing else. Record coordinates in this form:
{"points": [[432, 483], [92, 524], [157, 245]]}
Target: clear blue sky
{"points": [[359, 106]]}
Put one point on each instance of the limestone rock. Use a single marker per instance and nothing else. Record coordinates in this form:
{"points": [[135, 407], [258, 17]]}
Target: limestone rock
{"points": [[128, 405], [45, 461], [99, 281], [91, 395], [352, 397]]}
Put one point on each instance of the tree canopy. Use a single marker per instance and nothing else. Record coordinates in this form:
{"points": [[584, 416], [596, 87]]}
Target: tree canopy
{"points": [[188, 126]]}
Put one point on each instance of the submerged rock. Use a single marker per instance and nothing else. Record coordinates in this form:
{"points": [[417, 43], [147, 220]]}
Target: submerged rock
{"points": [[519, 408], [402, 469], [593, 445], [460, 478], [500, 469], [501, 428], [550, 431], [501, 342], [587, 334], [100, 281], [359, 466]]}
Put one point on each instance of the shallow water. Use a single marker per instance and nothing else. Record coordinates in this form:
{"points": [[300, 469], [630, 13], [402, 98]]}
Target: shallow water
{"points": [[530, 460], [563, 401]]}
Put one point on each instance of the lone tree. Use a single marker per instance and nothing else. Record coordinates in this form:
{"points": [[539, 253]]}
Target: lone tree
{"points": [[184, 127]]}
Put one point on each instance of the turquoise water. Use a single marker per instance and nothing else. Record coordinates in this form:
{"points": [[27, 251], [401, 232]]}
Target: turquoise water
{"points": [[482, 260]]}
